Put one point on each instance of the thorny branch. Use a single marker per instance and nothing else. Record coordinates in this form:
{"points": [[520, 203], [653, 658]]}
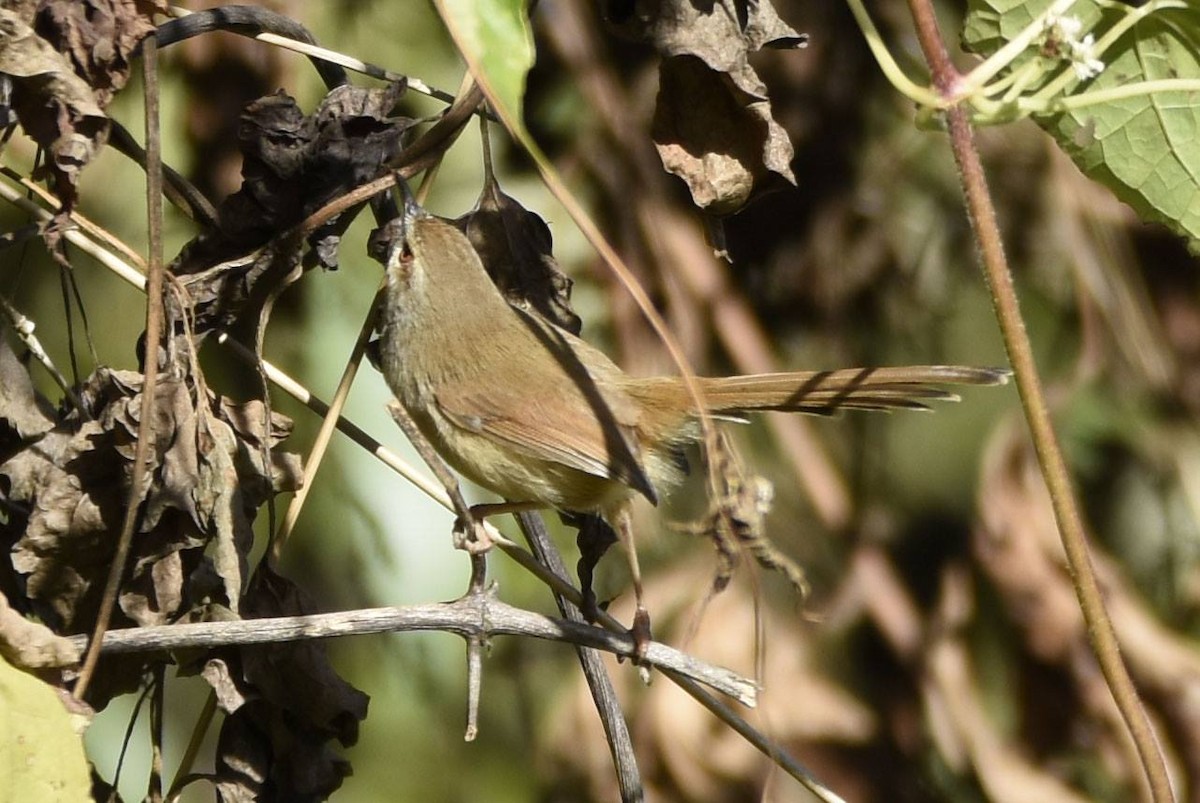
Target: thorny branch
{"points": [[478, 616]]}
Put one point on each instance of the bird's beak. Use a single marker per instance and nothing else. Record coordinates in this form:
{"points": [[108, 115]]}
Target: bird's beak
{"points": [[411, 209]]}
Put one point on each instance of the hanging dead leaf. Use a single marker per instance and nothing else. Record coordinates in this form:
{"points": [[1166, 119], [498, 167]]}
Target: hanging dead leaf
{"points": [[516, 247], [54, 105], [98, 38], [714, 136], [713, 126], [287, 704]]}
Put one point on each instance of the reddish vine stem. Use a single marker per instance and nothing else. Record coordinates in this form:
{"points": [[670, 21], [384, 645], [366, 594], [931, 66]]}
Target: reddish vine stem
{"points": [[1072, 531], [139, 481]]}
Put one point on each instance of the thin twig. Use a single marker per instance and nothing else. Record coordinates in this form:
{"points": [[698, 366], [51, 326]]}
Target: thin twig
{"points": [[328, 423], [139, 480], [157, 702], [24, 329], [1020, 352], [612, 718]]}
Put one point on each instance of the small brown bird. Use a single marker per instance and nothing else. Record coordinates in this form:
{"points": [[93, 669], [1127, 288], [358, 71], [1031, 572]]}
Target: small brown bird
{"points": [[533, 413]]}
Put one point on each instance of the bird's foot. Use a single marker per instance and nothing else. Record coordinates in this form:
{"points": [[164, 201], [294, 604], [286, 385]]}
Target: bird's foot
{"points": [[471, 535]]}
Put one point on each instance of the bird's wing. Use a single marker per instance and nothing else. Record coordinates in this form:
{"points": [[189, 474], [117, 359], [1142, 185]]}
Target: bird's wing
{"points": [[558, 422]]}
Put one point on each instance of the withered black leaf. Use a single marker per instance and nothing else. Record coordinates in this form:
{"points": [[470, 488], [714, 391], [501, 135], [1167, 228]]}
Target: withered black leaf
{"points": [[516, 247], [285, 705], [293, 165], [713, 126]]}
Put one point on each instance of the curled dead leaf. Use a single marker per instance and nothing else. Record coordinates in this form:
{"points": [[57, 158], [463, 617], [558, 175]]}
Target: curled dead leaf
{"points": [[287, 704], [713, 126], [55, 106], [516, 247]]}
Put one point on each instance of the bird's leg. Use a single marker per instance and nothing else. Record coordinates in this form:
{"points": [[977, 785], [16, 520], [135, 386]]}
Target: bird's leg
{"points": [[622, 522], [468, 533], [472, 537]]}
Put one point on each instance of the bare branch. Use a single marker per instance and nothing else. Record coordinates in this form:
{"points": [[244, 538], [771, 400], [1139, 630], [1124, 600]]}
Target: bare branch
{"points": [[476, 616]]}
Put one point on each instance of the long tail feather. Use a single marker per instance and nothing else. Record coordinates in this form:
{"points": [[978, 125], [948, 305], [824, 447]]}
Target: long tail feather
{"points": [[670, 413], [825, 392]]}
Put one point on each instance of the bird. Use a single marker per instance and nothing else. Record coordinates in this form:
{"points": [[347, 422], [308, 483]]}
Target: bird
{"points": [[535, 414]]}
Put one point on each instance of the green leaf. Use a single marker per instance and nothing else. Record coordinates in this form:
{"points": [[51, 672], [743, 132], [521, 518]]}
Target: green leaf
{"points": [[495, 39], [1145, 148], [41, 756]]}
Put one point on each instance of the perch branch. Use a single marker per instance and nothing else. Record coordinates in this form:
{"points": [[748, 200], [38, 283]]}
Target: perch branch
{"points": [[474, 616]]}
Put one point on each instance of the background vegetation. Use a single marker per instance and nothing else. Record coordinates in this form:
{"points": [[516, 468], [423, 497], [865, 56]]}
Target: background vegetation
{"points": [[942, 654]]}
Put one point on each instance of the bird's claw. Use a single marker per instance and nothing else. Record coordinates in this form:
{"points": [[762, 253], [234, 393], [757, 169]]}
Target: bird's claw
{"points": [[471, 536]]}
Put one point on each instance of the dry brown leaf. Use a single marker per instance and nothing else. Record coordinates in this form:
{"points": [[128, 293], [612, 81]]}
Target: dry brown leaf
{"points": [[55, 106], [718, 139], [713, 126], [98, 37], [68, 492], [30, 645]]}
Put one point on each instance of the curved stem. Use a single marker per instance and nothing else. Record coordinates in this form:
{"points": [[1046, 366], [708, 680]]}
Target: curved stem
{"points": [[964, 85], [1054, 469], [1110, 94], [891, 70]]}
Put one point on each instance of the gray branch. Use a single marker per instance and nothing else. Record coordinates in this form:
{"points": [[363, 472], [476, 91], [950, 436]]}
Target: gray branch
{"points": [[475, 616]]}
